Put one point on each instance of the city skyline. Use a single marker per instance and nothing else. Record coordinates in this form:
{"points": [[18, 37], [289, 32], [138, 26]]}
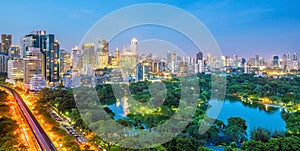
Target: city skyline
{"points": [[243, 28], [147, 45], [150, 75]]}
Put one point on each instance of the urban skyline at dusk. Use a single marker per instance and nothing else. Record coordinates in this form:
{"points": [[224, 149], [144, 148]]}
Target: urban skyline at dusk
{"points": [[242, 28], [99, 75]]}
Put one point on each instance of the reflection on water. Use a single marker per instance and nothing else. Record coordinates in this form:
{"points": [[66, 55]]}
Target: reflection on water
{"points": [[255, 114], [120, 108]]}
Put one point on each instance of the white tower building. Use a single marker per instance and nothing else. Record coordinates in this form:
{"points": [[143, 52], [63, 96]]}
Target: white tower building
{"points": [[134, 46]]}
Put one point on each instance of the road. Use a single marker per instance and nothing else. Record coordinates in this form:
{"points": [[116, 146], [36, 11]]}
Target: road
{"points": [[24, 131], [42, 138]]}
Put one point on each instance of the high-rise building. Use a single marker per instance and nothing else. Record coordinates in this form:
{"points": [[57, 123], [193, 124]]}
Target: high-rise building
{"points": [[262, 62], [157, 66], [114, 59], [171, 60], [252, 62], [284, 61], [15, 70], [142, 71], [134, 46], [256, 60], [3, 62], [65, 62], [247, 67], [235, 61], [102, 54], [75, 57], [14, 51], [128, 60], [127, 63], [32, 65], [298, 61], [199, 66], [199, 56], [183, 67], [295, 61], [275, 61], [37, 82], [34, 39], [4, 48], [88, 54], [67, 79], [243, 63], [295, 56], [52, 64], [5, 43], [49, 47]]}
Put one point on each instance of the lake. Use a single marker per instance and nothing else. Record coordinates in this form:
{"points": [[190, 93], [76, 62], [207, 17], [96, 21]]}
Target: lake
{"points": [[255, 114]]}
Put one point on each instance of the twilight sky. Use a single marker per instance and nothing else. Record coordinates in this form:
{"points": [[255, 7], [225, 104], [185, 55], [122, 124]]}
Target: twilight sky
{"points": [[243, 27]]}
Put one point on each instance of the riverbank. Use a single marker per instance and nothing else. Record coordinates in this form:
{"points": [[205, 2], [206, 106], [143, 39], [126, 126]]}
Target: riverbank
{"points": [[263, 101]]}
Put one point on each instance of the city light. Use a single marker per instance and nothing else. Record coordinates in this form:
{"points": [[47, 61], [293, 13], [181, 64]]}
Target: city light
{"points": [[81, 86]]}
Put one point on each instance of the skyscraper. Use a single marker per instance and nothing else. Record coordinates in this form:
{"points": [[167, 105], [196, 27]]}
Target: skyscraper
{"points": [[75, 57], [134, 46], [199, 66], [275, 61], [49, 47], [15, 70], [88, 54], [128, 60], [284, 61], [142, 71], [102, 54], [257, 60], [4, 48], [52, 62], [3, 62], [199, 56], [14, 51], [5, 43], [32, 65], [169, 54], [171, 60], [65, 64], [127, 63]]}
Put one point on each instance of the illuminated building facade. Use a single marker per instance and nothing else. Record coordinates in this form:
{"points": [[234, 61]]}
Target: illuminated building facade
{"points": [[275, 61], [37, 82], [88, 54], [128, 60], [142, 71], [102, 54], [5, 43], [32, 65], [3, 62], [65, 62], [14, 51], [15, 70], [4, 48], [49, 47]]}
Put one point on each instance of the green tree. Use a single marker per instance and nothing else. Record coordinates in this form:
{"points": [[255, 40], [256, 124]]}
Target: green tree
{"points": [[260, 134], [236, 130]]}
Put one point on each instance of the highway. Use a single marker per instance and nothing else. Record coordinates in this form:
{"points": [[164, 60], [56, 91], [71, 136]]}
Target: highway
{"points": [[42, 138]]}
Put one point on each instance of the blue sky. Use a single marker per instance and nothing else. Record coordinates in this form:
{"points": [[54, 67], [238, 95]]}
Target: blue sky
{"points": [[244, 27]]}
